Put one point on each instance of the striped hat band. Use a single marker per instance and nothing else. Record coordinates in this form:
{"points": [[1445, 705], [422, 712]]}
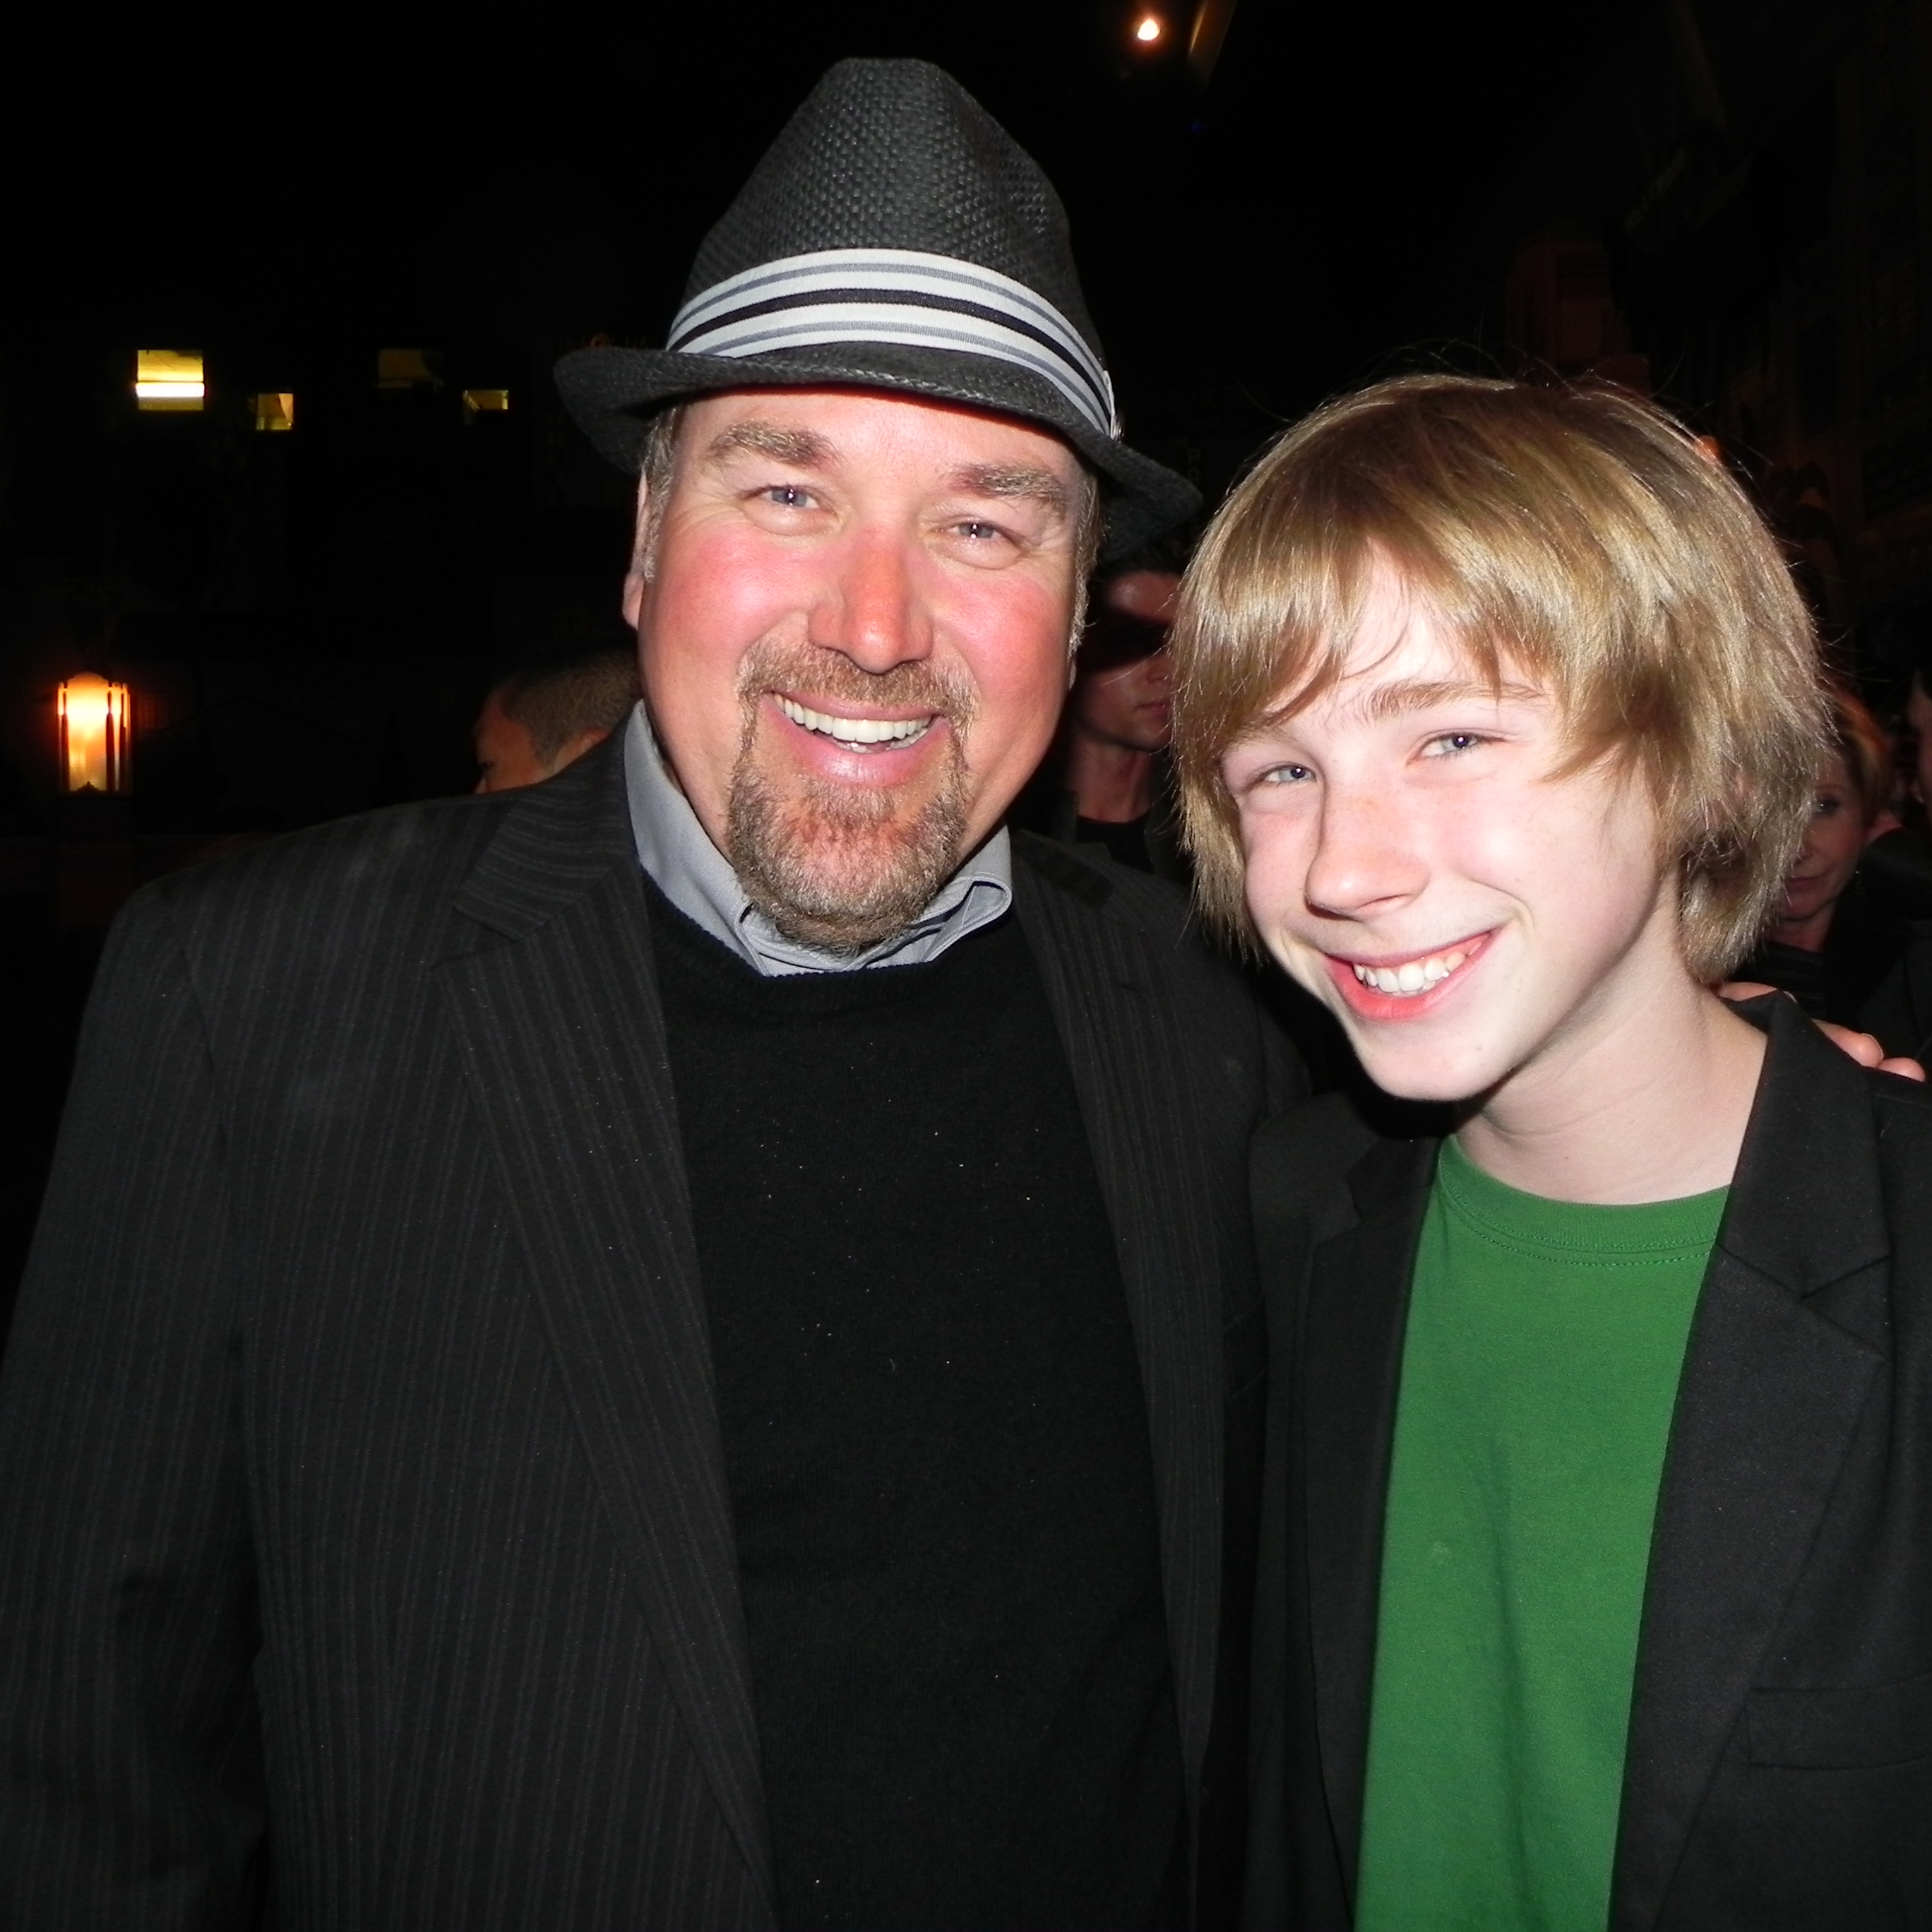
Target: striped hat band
{"points": [[898, 295]]}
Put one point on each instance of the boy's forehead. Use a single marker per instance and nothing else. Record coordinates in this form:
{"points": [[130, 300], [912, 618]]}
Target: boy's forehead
{"points": [[1402, 657]]}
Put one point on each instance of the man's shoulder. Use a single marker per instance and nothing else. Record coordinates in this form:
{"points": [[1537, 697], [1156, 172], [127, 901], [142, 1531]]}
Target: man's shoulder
{"points": [[405, 853], [1306, 1152], [1086, 877], [1141, 931], [407, 864]]}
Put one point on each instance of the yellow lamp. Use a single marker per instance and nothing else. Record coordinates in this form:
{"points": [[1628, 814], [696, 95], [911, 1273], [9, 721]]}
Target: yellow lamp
{"points": [[168, 379], [94, 734]]}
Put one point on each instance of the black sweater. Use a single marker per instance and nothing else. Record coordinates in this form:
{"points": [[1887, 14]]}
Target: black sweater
{"points": [[937, 1443]]}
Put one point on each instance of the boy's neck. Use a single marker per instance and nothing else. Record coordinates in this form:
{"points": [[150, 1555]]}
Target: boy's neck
{"points": [[1649, 1105]]}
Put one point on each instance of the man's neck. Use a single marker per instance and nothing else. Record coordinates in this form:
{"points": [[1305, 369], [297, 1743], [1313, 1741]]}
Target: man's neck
{"points": [[1113, 783], [1648, 1104]]}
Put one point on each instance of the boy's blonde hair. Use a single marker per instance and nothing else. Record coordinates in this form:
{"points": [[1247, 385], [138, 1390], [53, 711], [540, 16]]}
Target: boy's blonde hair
{"points": [[1576, 536]]}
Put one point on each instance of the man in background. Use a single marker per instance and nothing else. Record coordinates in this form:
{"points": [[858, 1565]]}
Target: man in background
{"points": [[544, 716], [1105, 782]]}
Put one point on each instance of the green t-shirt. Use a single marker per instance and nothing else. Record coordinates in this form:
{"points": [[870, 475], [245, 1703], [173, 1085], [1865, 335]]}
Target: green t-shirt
{"points": [[1540, 1365]]}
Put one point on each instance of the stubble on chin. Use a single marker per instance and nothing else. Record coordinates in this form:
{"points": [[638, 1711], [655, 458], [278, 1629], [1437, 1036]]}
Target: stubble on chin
{"points": [[835, 866]]}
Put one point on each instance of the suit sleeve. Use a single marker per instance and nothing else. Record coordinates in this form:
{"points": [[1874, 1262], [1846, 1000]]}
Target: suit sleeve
{"points": [[130, 1792]]}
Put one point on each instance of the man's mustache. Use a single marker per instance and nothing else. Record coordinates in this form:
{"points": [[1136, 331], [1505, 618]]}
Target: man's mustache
{"points": [[806, 672]]}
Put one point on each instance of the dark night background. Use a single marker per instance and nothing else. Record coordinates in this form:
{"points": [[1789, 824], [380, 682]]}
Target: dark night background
{"points": [[1725, 201]]}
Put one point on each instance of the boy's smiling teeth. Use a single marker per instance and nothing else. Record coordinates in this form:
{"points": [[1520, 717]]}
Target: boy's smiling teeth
{"points": [[856, 733], [1412, 975]]}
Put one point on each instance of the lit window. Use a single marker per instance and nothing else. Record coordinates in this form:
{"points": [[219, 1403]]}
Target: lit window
{"points": [[478, 402], [405, 369], [168, 379], [275, 409], [93, 732]]}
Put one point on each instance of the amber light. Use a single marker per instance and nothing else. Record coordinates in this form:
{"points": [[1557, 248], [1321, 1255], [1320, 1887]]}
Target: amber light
{"points": [[168, 379], [94, 734], [1149, 29]]}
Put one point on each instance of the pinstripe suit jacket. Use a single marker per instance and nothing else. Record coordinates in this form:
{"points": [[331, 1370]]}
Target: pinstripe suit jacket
{"points": [[366, 1558]]}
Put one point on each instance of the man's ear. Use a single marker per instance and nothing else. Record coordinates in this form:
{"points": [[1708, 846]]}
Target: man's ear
{"points": [[637, 587], [637, 578]]}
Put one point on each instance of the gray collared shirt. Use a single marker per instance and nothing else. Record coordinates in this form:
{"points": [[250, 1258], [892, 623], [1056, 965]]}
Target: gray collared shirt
{"points": [[690, 871]]}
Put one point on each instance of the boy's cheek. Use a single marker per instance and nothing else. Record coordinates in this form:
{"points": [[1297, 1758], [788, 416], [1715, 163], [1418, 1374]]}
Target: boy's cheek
{"points": [[1272, 901]]}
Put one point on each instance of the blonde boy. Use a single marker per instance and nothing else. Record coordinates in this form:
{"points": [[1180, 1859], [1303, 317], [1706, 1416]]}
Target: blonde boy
{"points": [[1597, 1568]]}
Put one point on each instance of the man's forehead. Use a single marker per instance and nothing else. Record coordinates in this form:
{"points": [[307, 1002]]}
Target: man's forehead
{"points": [[824, 428]]}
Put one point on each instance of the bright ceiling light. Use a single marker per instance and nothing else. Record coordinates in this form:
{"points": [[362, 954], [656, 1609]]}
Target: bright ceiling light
{"points": [[166, 379], [1149, 30]]}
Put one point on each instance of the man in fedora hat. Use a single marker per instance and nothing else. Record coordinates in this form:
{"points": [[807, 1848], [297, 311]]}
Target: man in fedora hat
{"points": [[678, 1348]]}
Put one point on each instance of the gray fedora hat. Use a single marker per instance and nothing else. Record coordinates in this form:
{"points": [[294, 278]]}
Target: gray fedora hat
{"points": [[894, 236]]}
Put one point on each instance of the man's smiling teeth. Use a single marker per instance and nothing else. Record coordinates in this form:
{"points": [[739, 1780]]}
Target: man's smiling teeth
{"points": [[855, 731], [1412, 975]]}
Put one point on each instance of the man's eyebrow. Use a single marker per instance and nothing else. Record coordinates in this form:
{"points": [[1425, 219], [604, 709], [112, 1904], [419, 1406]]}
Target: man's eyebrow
{"points": [[1013, 479], [1410, 694], [796, 448]]}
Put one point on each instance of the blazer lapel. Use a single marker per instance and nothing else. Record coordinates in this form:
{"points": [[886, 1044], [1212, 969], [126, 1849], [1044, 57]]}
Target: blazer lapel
{"points": [[1790, 1329], [1350, 1370], [555, 1001], [1131, 1072]]}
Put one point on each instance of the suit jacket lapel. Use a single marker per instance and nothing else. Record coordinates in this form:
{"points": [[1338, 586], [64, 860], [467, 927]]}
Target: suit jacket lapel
{"points": [[1131, 1072], [1350, 1368], [1790, 1328], [554, 999]]}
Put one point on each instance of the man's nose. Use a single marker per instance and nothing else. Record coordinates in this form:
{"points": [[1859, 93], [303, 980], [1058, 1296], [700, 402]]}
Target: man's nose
{"points": [[872, 612], [1367, 860]]}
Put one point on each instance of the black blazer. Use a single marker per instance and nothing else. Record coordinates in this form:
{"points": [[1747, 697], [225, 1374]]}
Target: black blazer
{"points": [[1780, 1765], [366, 1558]]}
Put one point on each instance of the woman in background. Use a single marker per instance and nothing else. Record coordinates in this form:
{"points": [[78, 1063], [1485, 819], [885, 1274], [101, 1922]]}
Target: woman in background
{"points": [[1834, 946]]}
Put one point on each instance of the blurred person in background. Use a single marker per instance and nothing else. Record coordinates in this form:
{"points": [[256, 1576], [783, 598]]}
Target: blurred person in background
{"points": [[1106, 782], [544, 716], [1831, 942]]}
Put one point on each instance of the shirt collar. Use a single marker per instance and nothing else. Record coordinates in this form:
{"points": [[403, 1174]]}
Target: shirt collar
{"points": [[690, 871]]}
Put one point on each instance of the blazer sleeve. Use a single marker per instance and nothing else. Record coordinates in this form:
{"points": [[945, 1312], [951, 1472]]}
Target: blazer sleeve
{"points": [[130, 1788]]}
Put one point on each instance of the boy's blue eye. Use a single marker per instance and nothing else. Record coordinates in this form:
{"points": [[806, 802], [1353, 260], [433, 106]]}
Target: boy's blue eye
{"points": [[1277, 775], [1453, 742]]}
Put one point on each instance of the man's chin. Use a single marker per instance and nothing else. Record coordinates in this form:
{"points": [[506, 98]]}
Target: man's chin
{"points": [[839, 878]]}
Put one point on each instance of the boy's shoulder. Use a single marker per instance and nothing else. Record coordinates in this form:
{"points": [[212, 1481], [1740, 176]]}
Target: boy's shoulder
{"points": [[1902, 1118]]}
